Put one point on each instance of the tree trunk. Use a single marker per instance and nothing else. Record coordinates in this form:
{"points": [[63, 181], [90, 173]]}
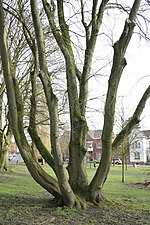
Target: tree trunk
{"points": [[4, 165], [68, 196], [16, 118], [119, 62], [4, 139], [5, 146], [75, 190]]}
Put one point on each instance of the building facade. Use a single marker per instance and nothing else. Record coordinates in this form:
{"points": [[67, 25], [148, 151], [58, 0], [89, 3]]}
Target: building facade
{"points": [[94, 145], [140, 147]]}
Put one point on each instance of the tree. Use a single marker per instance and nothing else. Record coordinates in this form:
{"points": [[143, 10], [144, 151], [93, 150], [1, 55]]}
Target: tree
{"points": [[5, 133], [75, 191], [17, 49]]}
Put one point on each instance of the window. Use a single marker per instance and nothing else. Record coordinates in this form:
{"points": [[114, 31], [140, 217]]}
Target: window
{"points": [[89, 146], [136, 155], [139, 145], [99, 145], [136, 144]]}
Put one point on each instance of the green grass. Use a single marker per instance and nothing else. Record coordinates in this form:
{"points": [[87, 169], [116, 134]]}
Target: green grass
{"points": [[20, 181], [118, 191], [129, 191], [20, 194]]}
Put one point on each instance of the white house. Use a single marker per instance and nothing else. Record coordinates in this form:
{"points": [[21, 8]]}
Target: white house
{"points": [[140, 146]]}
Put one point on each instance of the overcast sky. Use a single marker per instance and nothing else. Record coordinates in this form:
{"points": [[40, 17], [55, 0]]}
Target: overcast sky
{"points": [[136, 75], [134, 81], [135, 78]]}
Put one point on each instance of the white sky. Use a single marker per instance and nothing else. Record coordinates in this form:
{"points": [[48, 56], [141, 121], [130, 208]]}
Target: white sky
{"points": [[135, 77], [134, 81]]}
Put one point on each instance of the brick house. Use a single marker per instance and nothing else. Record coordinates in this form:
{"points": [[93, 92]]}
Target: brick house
{"points": [[94, 145]]}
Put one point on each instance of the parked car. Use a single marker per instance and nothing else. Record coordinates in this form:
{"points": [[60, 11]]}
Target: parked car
{"points": [[117, 161], [10, 156], [17, 159]]}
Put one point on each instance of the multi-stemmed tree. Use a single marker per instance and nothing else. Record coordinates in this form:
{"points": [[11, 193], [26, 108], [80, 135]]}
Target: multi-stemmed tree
{"points": [[71, 188]]}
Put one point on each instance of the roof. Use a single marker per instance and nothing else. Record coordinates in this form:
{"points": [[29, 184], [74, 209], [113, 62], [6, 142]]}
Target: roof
{"points": [[95, 134], [88, 137], [146, 133]]}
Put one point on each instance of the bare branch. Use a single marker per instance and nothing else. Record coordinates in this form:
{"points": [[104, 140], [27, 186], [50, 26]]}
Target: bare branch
{"points": [[135, 119]]}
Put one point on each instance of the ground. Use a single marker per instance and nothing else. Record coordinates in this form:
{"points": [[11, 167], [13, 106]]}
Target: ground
{"points": [[23, 201], [36, 211]]}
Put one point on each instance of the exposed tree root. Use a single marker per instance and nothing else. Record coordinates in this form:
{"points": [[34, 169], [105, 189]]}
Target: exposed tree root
{"points": [[5, 169], [147, 183]]}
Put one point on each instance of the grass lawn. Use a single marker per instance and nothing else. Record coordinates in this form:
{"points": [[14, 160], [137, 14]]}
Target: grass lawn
{"points": [[23, 201]]}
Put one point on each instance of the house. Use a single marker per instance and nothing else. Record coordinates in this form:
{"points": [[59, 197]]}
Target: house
{"points": [[94, 145], [140, 147]]}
